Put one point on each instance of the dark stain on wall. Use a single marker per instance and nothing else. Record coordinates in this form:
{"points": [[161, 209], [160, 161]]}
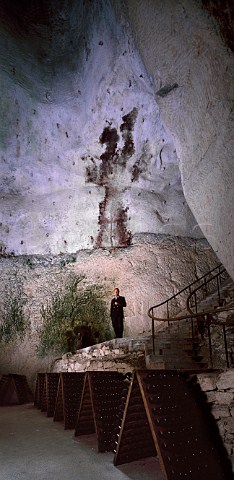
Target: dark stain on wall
{"points": [[91, 174], [140, 166], [102, 220], [113, 220], [110, 138], [113, 227], [122, 234], [136, 171], [113, 158], [127, 128]]}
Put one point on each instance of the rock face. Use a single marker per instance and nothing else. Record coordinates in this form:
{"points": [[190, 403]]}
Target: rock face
{"points": [[192, 71], [81, 129]]}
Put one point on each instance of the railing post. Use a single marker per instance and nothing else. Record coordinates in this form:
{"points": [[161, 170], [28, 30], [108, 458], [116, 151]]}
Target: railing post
{"points": [[153, 336], [192, 328], [225, 345], [218, 291], [190, 291], [195, 297], [168, 313], [210, 346]]}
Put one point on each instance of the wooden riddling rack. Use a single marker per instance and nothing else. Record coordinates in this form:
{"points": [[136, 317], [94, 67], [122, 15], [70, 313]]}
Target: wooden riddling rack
{"points": [[14, 390], [166, 411], [39, 390], [49, 393], [134, 439], [102, 395], [68, 398], [59, 394], [149, 413]]}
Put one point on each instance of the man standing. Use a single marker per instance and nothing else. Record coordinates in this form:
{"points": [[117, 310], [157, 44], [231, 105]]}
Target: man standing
{"points": [[117, 314]]}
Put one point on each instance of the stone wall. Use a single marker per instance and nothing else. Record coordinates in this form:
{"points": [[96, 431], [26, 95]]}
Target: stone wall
{"points": [[121, 355], [219, 389]]}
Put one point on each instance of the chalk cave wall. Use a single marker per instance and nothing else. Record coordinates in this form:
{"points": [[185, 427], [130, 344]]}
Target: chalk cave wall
{"points": [[187, 48], [91, 157], [86, 160]]}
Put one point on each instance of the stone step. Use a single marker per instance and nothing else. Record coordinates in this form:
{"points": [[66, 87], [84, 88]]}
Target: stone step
{"points": [[153, 362]]}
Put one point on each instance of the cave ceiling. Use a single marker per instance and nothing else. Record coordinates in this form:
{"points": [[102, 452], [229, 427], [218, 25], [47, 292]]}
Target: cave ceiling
{"points": [[86, 161]]}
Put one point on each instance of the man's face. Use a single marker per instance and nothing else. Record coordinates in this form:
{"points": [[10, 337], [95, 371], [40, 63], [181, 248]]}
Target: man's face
{"points": [[116, 292]]}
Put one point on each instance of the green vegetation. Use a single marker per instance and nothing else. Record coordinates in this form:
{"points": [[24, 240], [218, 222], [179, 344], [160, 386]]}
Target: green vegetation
{"points": [[14, 322], [70, 310]]}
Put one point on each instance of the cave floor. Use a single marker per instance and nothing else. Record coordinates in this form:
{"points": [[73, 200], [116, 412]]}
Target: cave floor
{"points": [[33, 446]]}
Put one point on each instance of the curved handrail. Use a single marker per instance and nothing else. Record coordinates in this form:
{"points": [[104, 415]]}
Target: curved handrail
{"points": [[191, 315], [219, 308], [188, 287]]}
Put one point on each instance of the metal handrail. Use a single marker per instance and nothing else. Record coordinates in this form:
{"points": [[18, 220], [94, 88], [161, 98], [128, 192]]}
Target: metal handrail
{"points": [[193, 293], [191, 315], [188, 287]]}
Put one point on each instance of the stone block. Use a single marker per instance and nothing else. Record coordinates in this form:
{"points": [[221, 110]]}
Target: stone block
{"points": [[106, 365], [211, 396], [122, 366], [78, 367], [229, 424], [207, 382], [220, 411], [224, 398], [139, 346], [229, 448], [221, 427], [232, 410], [226, 380]]}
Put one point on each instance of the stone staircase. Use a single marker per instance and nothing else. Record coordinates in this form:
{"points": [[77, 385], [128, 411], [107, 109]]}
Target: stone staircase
{"points": [[226, 297], [174, 346], [175, 349]]}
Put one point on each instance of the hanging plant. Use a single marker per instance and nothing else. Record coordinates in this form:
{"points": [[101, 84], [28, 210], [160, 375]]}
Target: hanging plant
{"points": [[73, 310], [15, 323]]}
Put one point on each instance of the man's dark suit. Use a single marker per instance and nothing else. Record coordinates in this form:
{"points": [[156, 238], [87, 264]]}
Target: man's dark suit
{"points": [[117, 315]]}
